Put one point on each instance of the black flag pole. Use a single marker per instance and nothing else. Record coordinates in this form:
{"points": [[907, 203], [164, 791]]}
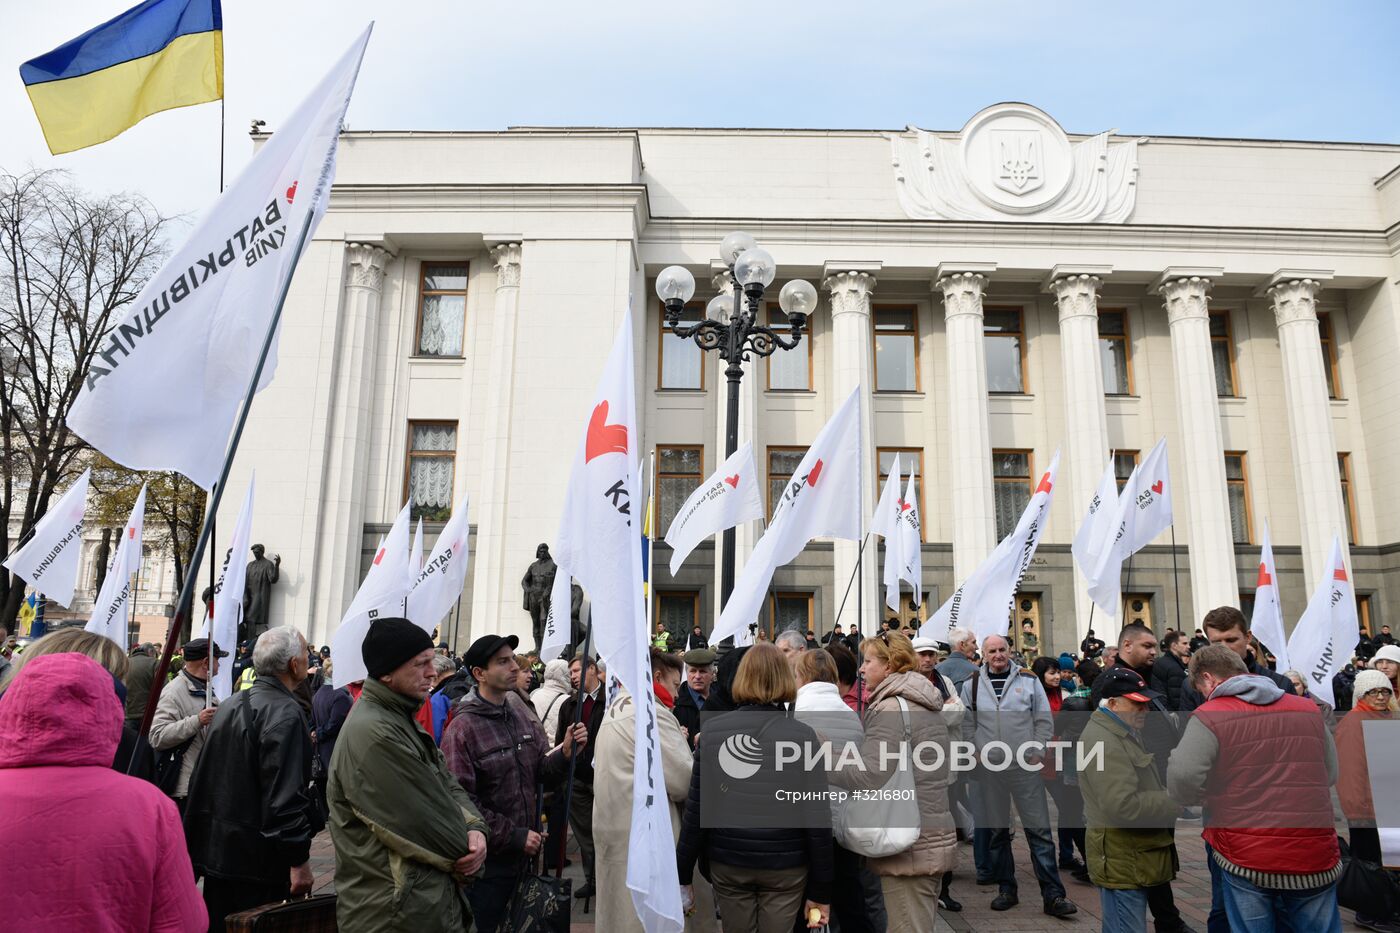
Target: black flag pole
{"points": [[573, 757], [1176, 584], [216, 494]]}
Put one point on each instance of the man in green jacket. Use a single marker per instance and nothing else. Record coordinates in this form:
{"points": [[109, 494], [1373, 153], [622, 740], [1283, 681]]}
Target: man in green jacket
{"points": [[407, 837], [1128, 814]]}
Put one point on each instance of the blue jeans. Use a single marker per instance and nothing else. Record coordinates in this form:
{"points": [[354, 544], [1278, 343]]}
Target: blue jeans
{"points": [[1124, 911], [1265, 910], [997, 790], [1216, 922]]}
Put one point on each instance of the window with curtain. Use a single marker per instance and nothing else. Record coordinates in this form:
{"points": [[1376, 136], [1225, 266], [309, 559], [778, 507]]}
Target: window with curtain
{"points": [[1011, 487], [1124, 462], [910, 458], [792, 611], [442, 309], [432, 458], [678, 471], [781, 462], [1114, 353], [1003, 337], [679, 611], [790, 370], [1237, 487], [1222, 349], [1329, 355], [682, 362], [1344, 471], [896, 349]]}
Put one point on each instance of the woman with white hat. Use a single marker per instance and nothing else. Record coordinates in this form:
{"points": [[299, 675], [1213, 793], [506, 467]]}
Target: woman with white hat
{"points": [[1387, 661], [1375, 700]]}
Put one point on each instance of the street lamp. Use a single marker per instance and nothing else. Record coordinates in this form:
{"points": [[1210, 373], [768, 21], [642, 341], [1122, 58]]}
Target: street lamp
{"points": [[731, 326]]}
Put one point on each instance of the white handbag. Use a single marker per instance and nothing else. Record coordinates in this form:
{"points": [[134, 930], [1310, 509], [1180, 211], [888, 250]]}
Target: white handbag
{"points": [[886, 822]]}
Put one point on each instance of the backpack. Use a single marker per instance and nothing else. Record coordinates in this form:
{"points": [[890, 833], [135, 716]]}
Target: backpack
{"points": [[168, 762]]}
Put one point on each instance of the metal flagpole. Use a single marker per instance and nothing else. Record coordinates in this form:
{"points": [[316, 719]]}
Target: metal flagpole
{"points": [[1176, 584], [848, 585], [573, 758], [186, 599]]}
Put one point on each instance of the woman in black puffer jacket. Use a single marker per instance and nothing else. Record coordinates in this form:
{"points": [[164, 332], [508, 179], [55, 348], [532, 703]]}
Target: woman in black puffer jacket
{"points": [[765, 876]]}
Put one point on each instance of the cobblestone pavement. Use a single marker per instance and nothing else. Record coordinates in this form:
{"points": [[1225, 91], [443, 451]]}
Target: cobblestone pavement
{"points": [[1192, 889]]}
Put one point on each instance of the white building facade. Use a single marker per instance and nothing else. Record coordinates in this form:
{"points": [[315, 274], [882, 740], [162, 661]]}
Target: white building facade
{"points": [[997, 292]]}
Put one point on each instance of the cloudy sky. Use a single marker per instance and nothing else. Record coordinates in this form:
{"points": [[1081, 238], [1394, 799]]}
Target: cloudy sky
{"points": [[1277, 69]]}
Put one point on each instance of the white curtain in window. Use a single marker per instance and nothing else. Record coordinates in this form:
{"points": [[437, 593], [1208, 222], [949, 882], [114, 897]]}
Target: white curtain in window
{"points": [[1239, 514], [440, 332], [1011, 500], [430, 484]]}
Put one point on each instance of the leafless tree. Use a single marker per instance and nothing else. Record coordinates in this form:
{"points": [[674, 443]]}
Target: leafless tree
{"points": [[70, 263]]}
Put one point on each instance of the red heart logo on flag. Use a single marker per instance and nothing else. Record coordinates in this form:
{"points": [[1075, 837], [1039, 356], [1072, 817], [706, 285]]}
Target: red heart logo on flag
{"points": [[1340, 574], [733, 481], [1045, 484], [815, 472], [380, 556], [292, 193], [905, 506], [1157, 487], [603, 438], [1264, 578]]}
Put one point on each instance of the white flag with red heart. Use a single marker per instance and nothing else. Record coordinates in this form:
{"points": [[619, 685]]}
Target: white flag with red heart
{"points": [[724, 500], [383, 593], [438, 582], [1144, 511], [1328, 632], [49, 561], [896, 519], [222, 627], [1267, 622], [111, 614]]}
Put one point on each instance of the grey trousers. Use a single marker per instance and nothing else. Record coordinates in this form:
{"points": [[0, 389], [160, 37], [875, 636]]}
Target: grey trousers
{"points": [[911, 902], [581, 822], [758, 900]]}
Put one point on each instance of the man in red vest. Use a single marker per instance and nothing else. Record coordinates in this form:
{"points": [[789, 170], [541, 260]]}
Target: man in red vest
{"points": [[1262, 762]]}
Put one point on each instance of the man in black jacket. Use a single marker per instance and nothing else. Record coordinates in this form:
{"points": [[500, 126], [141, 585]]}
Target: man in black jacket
{"points": [[1227, 626], [1169, 670], [588, 672], [699, 674], [250, 819]]}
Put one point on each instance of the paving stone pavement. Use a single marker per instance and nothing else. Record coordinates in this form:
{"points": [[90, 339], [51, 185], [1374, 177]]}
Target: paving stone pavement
{"points": [[1192, 890]]}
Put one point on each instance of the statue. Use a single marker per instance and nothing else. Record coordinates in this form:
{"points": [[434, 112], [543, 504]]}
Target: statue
{"points": [[575, 626], [536, 583], [102, 559], [257, 593]]}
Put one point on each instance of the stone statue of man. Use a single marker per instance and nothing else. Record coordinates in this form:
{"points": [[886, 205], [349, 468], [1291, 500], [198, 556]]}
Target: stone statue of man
{"points": [[101, 560], [575, 626], [536, 583], [257, 592]]}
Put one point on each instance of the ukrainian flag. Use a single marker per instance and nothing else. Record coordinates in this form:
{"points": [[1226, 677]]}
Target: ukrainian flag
{"points": [[156, 56]]}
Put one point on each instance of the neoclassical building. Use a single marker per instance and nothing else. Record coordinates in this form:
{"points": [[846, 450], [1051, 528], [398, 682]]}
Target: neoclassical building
{"points": [[997, 292]]}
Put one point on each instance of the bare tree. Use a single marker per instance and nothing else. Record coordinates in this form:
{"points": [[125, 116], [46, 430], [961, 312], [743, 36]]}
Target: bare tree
{"points": [[70, 263], [174, 502]]}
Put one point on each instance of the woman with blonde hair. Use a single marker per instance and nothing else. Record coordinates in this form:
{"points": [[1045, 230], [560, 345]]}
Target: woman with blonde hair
{"points": [[764, 877]]}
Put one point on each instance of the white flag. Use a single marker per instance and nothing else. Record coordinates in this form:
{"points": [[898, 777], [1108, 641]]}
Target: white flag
{"points": [[600, 543], [439, 584], [165, 387], [823, 499], [415, 556], [724, 500], [896, 519], [911, 566], [1328, 632], [983, 602], [559, 621], [1144, 511], [1267, 623], [1093, 531], [111, 614], [49, 562], [383, 593], [228, 594]]}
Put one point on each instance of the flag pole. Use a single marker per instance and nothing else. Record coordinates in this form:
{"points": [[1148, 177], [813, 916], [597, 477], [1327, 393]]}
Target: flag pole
{"points": [[1176, 584], [183, 605], [573, 758], [848, 587]]}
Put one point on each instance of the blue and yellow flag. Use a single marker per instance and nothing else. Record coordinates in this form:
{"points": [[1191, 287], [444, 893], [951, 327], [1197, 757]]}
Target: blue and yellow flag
{"points": [[156, 56]]}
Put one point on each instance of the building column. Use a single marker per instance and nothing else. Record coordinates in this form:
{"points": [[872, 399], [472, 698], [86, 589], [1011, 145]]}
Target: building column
{"points": [[969, 436], [347, 458], [745, 533], [1086, 422], [1321, 511], [1201, 454], [490, 585], [852, 364]]}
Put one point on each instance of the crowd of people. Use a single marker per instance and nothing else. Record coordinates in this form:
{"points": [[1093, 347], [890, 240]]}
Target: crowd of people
{"points": [[445, 782]]}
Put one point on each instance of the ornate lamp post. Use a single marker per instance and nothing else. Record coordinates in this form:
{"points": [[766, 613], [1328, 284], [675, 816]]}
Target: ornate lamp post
{"points": [[732, 327]]}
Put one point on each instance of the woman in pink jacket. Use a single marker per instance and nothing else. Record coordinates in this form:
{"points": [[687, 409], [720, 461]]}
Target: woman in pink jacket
{"points": [[101, 851]]}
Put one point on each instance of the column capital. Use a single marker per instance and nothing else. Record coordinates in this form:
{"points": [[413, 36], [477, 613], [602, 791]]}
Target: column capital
{"points": [[962, 293], [1186, 298], [1077, 295], [1294, 301], [506, 257], [367, 264], [850, 292]]}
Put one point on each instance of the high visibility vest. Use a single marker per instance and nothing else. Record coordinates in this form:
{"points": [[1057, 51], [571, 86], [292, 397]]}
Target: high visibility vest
{"points": [[246, 679]]}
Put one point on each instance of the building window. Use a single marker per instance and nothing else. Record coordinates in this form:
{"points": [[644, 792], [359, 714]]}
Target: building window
{"points": [[782, 461], [1344, 471], [791, 611], [896, 349], [910, 458], [1124, 462], [1329, 356], [1011, 487], [1003, 337], [1363, 615], [1237, 487], [679, 611], [682, 364], [442, 309], [790, 370], [679, 470], [432, 457], [1115, 354], [1222, 349]]}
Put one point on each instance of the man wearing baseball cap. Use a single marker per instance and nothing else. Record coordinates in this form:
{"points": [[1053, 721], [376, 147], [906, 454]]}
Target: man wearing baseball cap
{"points": [[1128, 813], [182, 718]]}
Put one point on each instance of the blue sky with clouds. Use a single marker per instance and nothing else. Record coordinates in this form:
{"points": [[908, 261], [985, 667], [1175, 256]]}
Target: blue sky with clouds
{"points": [[1280, 69]]}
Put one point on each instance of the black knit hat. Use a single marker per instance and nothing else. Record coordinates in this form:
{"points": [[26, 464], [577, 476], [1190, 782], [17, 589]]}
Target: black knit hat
{"points": [[390, 642]]}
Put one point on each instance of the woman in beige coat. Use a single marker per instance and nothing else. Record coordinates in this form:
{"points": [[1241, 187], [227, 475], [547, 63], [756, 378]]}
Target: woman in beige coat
{"points": [[612, 800]]}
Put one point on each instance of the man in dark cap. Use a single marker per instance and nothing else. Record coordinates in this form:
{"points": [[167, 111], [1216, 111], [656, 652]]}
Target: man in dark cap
{"points": [[497, 750], [393, 801], [699, 674], [182, 719]]}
